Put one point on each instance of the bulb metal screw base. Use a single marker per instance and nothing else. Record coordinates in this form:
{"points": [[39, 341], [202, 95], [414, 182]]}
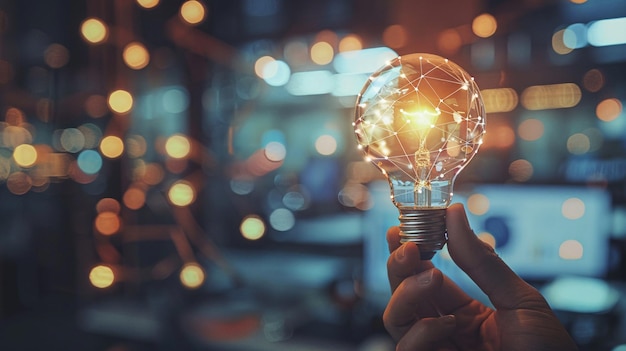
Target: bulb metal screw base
{"points": [[425, 227]]}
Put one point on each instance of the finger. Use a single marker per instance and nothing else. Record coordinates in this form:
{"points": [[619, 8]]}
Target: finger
{"points": [[404, 260], [393, 238], [412, 301], [428, 333], [504, 288]]}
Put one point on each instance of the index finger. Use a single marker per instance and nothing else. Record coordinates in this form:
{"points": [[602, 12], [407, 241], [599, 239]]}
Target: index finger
{"points": [[404, 260]]}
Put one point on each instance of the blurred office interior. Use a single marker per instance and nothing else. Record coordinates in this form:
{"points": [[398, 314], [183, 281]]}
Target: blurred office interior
{"points": [[183, 175]]}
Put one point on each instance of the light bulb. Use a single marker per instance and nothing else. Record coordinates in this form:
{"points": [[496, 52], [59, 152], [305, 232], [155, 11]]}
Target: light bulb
{"points": [[420, 119]]}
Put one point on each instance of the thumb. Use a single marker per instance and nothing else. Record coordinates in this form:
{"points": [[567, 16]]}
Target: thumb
{"points": [[504, 288]]}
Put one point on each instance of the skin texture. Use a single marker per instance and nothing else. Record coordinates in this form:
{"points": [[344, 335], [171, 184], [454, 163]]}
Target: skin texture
{"points": [[427, 311]]}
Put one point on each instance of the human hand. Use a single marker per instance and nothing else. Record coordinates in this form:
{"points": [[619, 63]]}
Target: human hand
{"points": [[428, 311]]}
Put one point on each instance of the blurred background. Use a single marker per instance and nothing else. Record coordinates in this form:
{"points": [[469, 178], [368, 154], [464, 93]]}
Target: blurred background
{"points": [[183, 175]]}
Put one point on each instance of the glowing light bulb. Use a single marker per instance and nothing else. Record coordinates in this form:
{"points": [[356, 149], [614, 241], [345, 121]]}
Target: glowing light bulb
{"points": [[420, 119]]}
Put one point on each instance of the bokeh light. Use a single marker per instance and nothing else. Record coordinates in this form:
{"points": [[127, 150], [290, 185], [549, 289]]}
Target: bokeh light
{"points": [[252, 227], [107, 223], [177, 146], [101, 276], [120, 101], [608, 109], [25, 155], [573, 208], [181, 193], [478, 204], [395, 36], [192, 12], [484, 25], [578, 144], [136, 55], [134, 198], [326, 145], [192, 276], [322, 53], [530, 129], [112, 146], [148, 4], [521, 170], [56, 56], [94, 30], [571, 250], [350, 42]]}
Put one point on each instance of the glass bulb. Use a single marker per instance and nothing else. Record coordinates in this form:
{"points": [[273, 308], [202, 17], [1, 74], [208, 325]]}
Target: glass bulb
{"points": [[420, 119]]}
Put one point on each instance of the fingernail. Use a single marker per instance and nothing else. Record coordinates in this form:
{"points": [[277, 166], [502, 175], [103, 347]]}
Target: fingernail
{"points": [[425, 278]]}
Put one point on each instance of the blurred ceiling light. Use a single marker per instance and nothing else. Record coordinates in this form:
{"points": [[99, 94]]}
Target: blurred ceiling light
{"points": [[181, 193], [107, 223], [326, 145], [521, 170], [571, 250], [134, 198], [484, 25], [25, 155], [101, 276], [573, 208], [558, 43], [192, 12], [147, 4], [395, 36], [136, 55], [530, 129], [56, 56], [449, 41], [310, 83], [252, 227], [575, 36], [578, 144], [192, 275], [363, 61], [178, 146], [322, 53], [282, 219], [552, 96], [120, 101], [94, 30], [108, 204], [500, 99], [609, 109], [276, 73], [478, 204], [593, 80], [350, 42], [112, 146], [607, 32]]}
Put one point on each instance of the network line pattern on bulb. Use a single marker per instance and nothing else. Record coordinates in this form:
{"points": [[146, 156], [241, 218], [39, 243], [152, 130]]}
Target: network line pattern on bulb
{"points": [[420, 119]]}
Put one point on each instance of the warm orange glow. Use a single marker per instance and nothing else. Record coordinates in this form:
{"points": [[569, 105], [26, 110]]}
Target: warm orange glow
{"points": [[153, 174], [25, 155], [108, 204], [177, 146], [181, 194], [530, 129], [136, 55], [120, 101], [14, 116], [192, 275], [484, 25], [262, 65], [192, 11], [94, 30], [101, 276], [111, 146], [134, 198], [487, 238], [322, 53], [609, 109], [147, 4], [500, 136], [107, 223], [395, 36], [350, 42], [449, 41]]}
